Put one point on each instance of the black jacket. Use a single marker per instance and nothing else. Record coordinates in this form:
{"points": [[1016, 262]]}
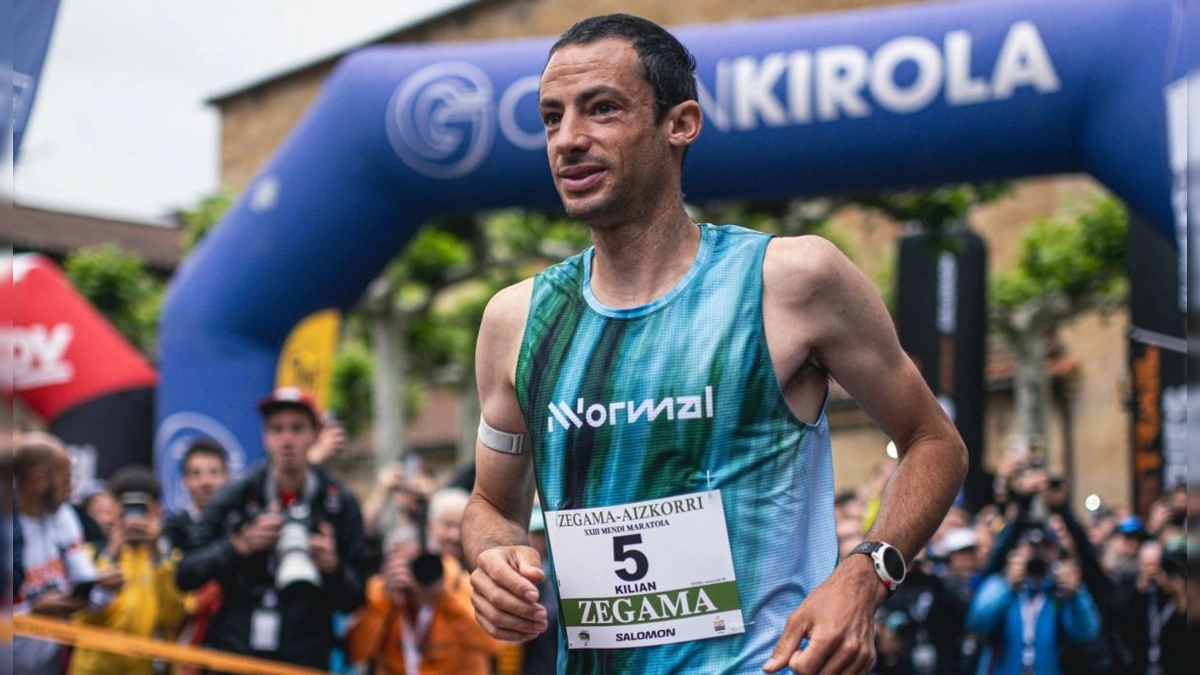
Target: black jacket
{"points": [[306, 613], [178, 528], [92, 533], [1130, 617], [932, 613]]}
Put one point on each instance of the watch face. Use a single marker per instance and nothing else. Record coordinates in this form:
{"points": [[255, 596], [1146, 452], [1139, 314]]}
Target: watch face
{"points": [[894, 563]]}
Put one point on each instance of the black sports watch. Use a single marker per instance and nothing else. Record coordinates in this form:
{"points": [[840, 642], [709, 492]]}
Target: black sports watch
{"points": [[889, 563]]}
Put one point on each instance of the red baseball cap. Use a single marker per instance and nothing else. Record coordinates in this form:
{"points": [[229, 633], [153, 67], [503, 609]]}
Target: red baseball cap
{"points": [[290, 397]]}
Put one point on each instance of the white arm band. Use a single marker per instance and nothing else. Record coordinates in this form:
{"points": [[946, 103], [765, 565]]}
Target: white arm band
{"points": [[502, 441]]}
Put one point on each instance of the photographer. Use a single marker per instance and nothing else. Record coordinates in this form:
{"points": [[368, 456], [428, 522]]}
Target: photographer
{"points": [[285, 541], [149, 604], [399, 496], [1037, 496], [1149, 611], [926, 616], [1025, 614], [418, 617]]}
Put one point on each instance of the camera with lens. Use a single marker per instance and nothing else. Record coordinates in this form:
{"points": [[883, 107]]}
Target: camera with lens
{"points": [[427, 568], [134, 506], [1175, 556], [294, 564], [1038, 566]]}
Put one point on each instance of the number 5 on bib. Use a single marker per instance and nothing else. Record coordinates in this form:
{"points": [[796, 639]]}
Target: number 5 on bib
{"points": [[645, 573]]}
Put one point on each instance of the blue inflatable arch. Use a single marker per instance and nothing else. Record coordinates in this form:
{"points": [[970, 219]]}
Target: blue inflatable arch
{"points": [[871, 100]]}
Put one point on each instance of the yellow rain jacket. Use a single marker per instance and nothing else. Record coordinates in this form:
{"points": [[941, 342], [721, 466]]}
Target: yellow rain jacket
{"points": [[149, 605]]}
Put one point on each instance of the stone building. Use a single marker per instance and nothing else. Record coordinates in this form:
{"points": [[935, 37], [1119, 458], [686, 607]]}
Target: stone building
{"points": [[1091, 422]]}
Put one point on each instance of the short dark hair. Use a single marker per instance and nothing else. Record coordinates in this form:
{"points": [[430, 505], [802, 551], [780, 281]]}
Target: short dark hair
{"points": [[134, 478], [666, 64], [89, 497], [204, 446]]}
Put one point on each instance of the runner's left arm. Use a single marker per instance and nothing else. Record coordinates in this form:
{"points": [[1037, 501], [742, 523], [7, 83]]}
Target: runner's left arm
{"points": [[847, 333]]}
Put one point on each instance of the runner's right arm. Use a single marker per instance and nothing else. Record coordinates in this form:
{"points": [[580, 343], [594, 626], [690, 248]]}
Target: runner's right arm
{"points": [[496, 522]]}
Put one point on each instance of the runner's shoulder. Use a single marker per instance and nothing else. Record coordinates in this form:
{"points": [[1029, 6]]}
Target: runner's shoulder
{"points": [[802, 267], [506, 311]]}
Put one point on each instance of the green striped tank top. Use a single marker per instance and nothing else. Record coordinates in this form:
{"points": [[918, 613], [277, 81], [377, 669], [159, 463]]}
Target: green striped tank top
{"points": [[674, 397]]}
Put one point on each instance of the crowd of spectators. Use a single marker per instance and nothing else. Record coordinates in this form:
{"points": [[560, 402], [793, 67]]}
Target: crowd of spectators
{"points": [[1026, 586], [280, 563]]}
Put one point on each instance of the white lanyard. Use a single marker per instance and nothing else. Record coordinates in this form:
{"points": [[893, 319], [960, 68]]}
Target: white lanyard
{"points": [[412, 636], [1157, 618], [920, 612], [1031, 607], [924, 654]]}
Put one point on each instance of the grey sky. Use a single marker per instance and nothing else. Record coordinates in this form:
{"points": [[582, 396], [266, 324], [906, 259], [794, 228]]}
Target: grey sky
{"points": [[120, 127]]}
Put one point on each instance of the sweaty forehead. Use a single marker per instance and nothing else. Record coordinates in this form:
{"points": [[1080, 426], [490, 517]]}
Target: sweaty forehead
{"points": [[610, 61]]}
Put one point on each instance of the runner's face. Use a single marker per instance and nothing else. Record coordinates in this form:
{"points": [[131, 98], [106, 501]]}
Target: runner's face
{"points": [[608, 158]]}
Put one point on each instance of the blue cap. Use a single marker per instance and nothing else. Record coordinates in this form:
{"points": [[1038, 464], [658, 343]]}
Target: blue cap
{"points": [[1131, 525]]}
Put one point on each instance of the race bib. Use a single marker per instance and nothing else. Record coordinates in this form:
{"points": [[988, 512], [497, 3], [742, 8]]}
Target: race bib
{"points": [[647, 573]]}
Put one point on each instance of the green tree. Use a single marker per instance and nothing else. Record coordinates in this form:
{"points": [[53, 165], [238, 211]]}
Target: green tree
{"points": [[935, 208], [1067, 265], [199, 220], [118, 284], [789, 218], [350, 395], [940, 210], [424, 310]]}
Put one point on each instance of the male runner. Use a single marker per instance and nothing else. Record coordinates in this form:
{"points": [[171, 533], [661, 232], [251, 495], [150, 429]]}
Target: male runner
{"points": [[669, 386]]}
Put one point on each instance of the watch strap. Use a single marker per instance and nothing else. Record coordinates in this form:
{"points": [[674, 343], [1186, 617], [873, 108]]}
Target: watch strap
{"points": [[869, 548]]}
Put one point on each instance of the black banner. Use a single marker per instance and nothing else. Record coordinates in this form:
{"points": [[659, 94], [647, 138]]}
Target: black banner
{"points": [[1157, 366], [941, 317], [108, 432]]}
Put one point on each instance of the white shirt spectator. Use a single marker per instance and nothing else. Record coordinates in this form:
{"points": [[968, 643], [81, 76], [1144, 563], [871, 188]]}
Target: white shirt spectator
{"points": [[55, 559]]}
